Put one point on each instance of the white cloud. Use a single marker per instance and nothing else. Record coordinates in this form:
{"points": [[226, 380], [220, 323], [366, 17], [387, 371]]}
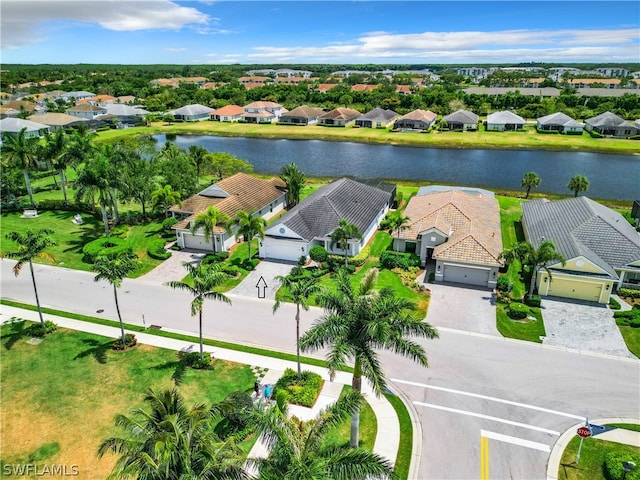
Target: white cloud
{"points": [[22, 19]]}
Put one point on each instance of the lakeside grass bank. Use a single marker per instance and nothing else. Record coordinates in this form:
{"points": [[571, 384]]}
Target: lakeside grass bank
{"points": [[527, 140]]}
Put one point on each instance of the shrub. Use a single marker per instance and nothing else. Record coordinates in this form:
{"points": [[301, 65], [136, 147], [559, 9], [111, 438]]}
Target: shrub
{"points": [[629, 292], [130, 340], [193, 360], [302, 260], [300, 392], [318, 253], [517, 311], [120, 231], [533, 300], [503, 284], [360, 259], [614, 470], [432, 277], [41, 329], [390, 259], [110, 246], [156, 249], [250, 265], [614, 304], [234, 420]]}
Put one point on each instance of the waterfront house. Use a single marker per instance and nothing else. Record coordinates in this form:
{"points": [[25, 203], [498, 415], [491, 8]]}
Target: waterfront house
{"points": [[192, 113], [339, 117], [462, 120], [377, 118], [303, 115], [228, 113], [559, 122], [420, 120], [504, 121], [609, 124]]}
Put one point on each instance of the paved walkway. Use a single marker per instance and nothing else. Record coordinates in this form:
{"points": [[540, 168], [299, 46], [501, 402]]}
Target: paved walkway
{"points": [[618, 435], [388, 435]]}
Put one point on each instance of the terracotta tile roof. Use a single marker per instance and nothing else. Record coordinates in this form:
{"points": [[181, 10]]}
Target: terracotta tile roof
{"points": [[363, 88], [243, 192], [342, 113], [229, 110], [324, 87], [470, 221]]}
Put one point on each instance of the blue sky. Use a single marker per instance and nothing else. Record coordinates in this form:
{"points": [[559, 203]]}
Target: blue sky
{"points": [[264, 32]]}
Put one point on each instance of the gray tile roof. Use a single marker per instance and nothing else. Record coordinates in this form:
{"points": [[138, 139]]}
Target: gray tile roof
{"points": [[462, 116], [379, 114], [195, 109], [14, 125], [558, 118], [319, 214], [505, 117], [607, 119], [581, 227]]}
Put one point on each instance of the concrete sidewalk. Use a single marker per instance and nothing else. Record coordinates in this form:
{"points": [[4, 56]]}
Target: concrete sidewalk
{"points": [[388, 435], [617, 435]]}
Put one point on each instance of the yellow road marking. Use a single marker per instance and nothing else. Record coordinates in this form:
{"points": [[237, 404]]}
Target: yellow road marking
{"points": [[484, 458]]}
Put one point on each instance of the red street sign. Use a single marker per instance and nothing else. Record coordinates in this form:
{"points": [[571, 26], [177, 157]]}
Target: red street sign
{"points": [[584, 432]]}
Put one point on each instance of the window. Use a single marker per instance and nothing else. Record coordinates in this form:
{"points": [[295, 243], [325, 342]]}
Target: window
{"points": [[410, 247]]}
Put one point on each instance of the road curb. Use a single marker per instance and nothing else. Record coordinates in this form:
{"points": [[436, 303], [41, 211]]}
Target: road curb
{"points": [[416, 445], [553, 465]]}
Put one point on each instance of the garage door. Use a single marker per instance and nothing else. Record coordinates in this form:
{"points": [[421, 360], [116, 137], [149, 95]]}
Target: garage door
{"points": [[197, 242], [470, 276], [577, 290], [282, 251]]}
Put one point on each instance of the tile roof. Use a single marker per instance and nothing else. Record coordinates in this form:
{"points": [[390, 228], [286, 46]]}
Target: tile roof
{"points": [[195, 109], [558, 118], [607, 119], [14, 125], [341, 113], [230, 195], [304, 111], [505, 117], [462, 116], [581, 227], [87, 107], [422, 115], [229, 110], [56, 119], [379, 114], [471, 221], [320, 213], [263, 104]]}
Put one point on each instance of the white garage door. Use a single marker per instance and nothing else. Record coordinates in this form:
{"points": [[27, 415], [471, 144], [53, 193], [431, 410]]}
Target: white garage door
{"points": [[197, 242], [277, 250], [470, 276]]}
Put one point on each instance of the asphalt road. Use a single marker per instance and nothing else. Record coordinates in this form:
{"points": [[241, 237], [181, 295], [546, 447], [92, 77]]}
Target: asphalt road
{"points": [[519, 396]]}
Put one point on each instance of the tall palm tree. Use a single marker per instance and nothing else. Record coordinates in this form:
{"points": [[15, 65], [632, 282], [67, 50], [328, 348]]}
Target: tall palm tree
{"points": [[164, 197], [204, 280], [298, 451], [530, 180], [359, 320], [93, 179], [295, 180], [577, 184], [341, 235], [249, 227], [29, 246], [81, 145], [398, 222], [57, 152], [298, 291], [208, 221], [21, 151], [113, 269], [201, 158], [169, 440], [541, 257]]}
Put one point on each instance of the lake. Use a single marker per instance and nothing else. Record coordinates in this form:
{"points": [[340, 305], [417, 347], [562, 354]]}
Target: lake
{"points": [[615, 177]]}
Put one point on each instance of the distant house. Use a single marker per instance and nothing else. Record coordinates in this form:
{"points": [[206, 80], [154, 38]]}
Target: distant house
{"points": [[86, 110], [312, 221], [339, 117], [377, 118], [504, 121], [462, 120], [56, 121], [601, 248], [610, 125], [228, 113], [303, 115], [325, 87], [13, 126], [361, 87], [459, 229], [559, 122], [403, 90], [262, 112], [192, 113], [22, 106], [126, 113], [240, 192], [416, 120]]}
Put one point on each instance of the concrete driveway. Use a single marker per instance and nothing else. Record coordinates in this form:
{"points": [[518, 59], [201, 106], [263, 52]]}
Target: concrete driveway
{"points": [[462, 308], [582, 325], [261, 282], [172, 268]]}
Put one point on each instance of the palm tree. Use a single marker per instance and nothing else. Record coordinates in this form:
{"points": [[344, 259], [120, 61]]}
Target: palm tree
{"points": [[577, 184], [21, 151], [209, 220], [545, 254], [297, 448], [359, 320], [169, 441], [56, 150], [397, 221], [204, 280], [298, 291], [29, 246], [200, 157], [93, 179], [295, 180], [342, 234], [81, 145], [249, 227], [530, 180], [163, 198], [113, 269]]}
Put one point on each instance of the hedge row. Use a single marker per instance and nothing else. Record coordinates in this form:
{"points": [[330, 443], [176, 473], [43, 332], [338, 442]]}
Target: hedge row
{"points": [[156, 249], [300, 392], [390, 259], [629, 292], [104, 246]]}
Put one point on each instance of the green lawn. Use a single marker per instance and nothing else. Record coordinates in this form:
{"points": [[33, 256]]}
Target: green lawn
{"points": [[631, 338], [510, 215], [70, 238], [530, 331], [368, 428], [67, 390], [590, 466]]}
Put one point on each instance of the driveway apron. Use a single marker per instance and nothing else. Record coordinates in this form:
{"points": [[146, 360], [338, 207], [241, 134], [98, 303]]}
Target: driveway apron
{"points": [[261, 282], [582, 325], [172, 268]]}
